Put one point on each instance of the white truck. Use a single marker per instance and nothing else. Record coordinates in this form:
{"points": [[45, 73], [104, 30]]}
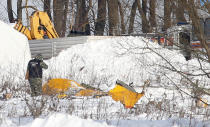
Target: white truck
{"points": [[183, 36]]}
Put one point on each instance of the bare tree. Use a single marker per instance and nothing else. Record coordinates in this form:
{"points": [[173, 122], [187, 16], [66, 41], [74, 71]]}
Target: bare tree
{"points": [[201, 55], [180, 11], [58, 15], [121, 18], [113, 14], [198, 29], [142, 11], [101, 17], [89, 18], [167, 14], [10, 12], [66, 5], [145, 23], [81, 16], [152, 11], [19, 9], [27, 14], [47, 7], [132, 17]]}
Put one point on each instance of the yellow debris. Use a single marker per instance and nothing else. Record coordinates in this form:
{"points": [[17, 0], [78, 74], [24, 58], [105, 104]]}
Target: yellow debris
{"points": [[56, 86], [200, 103], [122, 92], [90, 92], [127, 97]]}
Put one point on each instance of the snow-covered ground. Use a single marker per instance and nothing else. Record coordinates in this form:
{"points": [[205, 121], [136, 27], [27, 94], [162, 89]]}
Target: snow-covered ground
{"points": [[100, 64]]}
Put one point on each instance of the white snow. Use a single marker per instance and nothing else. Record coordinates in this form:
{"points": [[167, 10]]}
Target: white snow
{"points": [[100, 64], [64, 120], [124, 58], [14, 51]]}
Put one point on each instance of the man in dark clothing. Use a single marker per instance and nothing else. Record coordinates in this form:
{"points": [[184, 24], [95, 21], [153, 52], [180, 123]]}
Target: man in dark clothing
{"points": [[185, 45], [34, 74]]}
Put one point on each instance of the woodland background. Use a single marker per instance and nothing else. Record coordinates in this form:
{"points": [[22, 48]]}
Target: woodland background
{"points": [[105, 17]]}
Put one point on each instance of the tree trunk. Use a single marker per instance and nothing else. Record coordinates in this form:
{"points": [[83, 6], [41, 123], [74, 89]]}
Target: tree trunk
{"points": [[72, 19], [101, 17], [78, 16], [152, 17], [145, 23], [144, 9], [47, 7], [81, 16], [19, 9], [180, 12], [121, 18], [87, 25], [10, 12], [167, 15], [65, 17], [58, 15], [132, 17], [113, 17]]}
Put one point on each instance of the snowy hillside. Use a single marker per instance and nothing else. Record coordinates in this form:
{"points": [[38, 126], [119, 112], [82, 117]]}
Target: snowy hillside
{"points": [[100, 64]]}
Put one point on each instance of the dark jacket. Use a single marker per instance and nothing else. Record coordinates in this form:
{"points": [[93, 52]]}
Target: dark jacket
{"points": [[35, 68]]}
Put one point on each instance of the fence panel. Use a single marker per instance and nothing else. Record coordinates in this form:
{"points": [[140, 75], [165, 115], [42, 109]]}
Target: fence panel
{"points": [[52, 47]]}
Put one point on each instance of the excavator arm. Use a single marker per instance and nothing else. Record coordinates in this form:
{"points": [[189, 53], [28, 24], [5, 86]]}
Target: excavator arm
{"points": [[19, 27], [42, 26]]}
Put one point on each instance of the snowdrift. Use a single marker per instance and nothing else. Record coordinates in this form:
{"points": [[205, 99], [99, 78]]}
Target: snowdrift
{"points": [[14, 52], [64, 120], [129, 59]]}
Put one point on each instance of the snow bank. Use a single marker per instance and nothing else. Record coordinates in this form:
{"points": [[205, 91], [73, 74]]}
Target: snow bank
{"points": [[6, 122], [14, 51], [130, 59], [64, 120]]}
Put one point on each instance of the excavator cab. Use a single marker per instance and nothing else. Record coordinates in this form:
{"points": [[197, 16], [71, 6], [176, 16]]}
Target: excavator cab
{"points": [[43, 31]]}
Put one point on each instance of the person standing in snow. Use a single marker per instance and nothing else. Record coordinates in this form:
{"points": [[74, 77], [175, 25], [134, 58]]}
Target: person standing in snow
{"points": [[185, 45], [34, 74]]}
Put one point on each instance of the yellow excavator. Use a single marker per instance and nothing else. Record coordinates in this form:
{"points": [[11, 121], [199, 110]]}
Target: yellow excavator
{"points": [[41, 27]]}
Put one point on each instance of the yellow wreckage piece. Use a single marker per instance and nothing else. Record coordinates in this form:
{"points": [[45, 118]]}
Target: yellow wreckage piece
{"points": [[125, 94], [201, 102], [57, 86], [61, 86], [122, 92], [89, 92]]}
